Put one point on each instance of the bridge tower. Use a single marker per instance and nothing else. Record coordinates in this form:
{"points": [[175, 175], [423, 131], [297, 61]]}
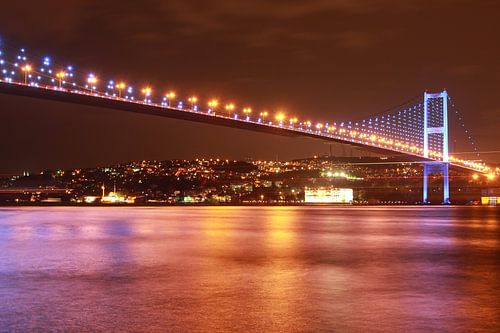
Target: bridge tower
{"points": [[436, 139]]}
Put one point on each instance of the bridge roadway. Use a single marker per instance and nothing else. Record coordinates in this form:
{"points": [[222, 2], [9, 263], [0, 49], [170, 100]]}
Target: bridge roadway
{"points": [[115, 103]]}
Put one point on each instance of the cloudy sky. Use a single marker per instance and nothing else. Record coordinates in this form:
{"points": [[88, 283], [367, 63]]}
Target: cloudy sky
{"points": [[318, 59]]}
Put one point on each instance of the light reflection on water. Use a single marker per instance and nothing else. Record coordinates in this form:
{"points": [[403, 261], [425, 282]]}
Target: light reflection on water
{"points": [[250, 269]]}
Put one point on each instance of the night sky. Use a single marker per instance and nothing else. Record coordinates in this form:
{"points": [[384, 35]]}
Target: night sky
{"points": [[325, 60]]}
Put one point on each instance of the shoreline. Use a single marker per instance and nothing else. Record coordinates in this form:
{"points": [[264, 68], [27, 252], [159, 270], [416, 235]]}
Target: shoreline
{"points": [[241, 205]]}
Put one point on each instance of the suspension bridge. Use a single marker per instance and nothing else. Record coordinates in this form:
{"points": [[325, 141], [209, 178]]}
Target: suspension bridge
{"points": [[418, 129]]}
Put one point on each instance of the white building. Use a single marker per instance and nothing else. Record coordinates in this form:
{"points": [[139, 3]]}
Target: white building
{"points": [[329, 195]]}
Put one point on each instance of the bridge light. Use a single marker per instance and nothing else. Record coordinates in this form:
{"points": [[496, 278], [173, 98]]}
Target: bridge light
{"points": [[193, 100], [491, 176], [170, 96], [229, 108], [280, 116], [60, 77], [91, 80], [213, 103], [26, 69], [147, 91], [120, 86], [263, 114]]}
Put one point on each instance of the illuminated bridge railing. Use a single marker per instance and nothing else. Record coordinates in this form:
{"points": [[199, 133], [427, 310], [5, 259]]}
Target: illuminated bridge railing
{"points": [[400, 130]]}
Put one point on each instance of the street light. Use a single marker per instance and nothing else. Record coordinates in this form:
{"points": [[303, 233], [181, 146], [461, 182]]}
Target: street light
{"points": [[192, 100], [92, 80], [26, 69], [212, 104], [230, 108], [263, 115], [170, 97], [60, 77], [247, 111], [333, 128], [120, 86], [280, 116], [147, 92]]}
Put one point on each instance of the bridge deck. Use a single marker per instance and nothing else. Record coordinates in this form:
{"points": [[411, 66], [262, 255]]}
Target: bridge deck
{"points": [[108, 102]]}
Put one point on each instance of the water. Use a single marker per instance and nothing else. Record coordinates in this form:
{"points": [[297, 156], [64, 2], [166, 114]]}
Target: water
{"points": [[250, 269]]}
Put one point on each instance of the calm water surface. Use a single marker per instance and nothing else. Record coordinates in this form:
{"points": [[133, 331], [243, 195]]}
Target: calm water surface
{"points": [[250, 269]]}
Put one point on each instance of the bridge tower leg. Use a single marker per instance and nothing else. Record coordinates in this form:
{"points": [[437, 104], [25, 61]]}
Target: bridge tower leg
{"points": [[425, 199], [446, 185], [438, 125]]}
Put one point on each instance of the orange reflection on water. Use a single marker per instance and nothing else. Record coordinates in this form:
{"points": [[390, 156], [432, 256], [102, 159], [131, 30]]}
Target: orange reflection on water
{"points": [[281, 224], [283, 290], [259, 269]]}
